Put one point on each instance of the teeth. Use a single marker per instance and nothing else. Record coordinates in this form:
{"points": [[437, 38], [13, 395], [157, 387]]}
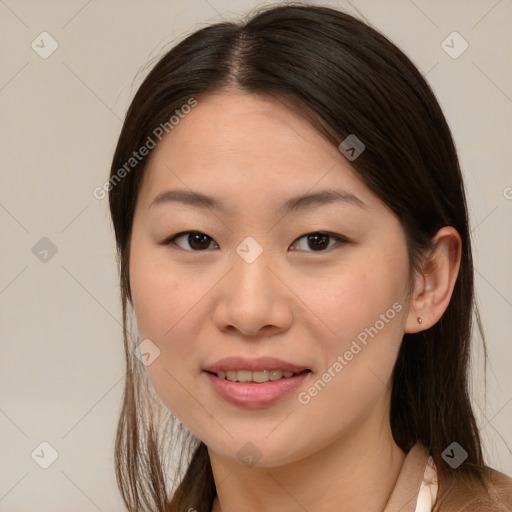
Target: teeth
{"points": [[259, 377]]}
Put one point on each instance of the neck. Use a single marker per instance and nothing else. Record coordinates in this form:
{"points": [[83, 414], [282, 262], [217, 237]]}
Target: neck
{"points": [[356, 472]]}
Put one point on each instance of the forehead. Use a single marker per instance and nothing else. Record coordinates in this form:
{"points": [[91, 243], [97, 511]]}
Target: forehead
{"points": [[247, 148]]}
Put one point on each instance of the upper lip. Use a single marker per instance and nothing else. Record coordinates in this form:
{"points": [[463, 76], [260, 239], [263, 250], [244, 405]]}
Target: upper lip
{"points": [[254, 365]]}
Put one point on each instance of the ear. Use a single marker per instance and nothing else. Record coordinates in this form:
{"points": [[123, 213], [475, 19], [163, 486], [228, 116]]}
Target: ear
{"points": [[434, 285]]}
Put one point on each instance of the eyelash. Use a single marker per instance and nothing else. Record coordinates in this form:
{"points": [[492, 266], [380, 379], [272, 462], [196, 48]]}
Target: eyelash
{"points": [[339, 240]]}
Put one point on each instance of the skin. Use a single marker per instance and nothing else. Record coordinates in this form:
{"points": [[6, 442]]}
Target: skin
{"points": [[301, 305]]}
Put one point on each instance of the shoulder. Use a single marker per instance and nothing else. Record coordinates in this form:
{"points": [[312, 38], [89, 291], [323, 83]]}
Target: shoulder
{"points": [[502, 488], [464, 498]]}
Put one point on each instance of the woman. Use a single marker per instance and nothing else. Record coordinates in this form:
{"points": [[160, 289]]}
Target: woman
{"points": [[293, 239]]}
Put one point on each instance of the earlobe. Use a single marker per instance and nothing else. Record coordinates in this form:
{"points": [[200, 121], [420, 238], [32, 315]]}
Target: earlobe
{"points": [[434, 286]]}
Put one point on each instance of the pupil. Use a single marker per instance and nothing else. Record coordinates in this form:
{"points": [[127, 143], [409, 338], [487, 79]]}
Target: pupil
{"points": [[318, 241], [198, 241]]}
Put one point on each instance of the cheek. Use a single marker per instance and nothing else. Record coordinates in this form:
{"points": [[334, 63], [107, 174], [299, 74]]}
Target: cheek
{"points": [[163, 303], [162, 295], [362, 304], [364, 311], [170, 303], [355, 295]]}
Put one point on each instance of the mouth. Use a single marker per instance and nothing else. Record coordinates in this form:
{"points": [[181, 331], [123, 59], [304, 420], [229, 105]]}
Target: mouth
{"points": [[255, 383], [256, 377], [255, 389]]}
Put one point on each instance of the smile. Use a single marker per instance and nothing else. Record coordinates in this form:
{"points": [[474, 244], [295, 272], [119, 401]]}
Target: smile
{"points": [[256, 377], [251, 394]]}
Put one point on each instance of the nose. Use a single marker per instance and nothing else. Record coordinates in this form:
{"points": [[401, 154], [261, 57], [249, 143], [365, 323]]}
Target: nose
{"points": [[253, 299]]}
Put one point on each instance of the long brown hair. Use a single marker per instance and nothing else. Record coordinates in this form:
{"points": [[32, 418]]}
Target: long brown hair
{"points": [[345, 78]]}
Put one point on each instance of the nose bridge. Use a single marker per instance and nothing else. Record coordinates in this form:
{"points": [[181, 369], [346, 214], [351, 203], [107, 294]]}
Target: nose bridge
{"points": [[252, 296], [253, 289], [252, 275]]}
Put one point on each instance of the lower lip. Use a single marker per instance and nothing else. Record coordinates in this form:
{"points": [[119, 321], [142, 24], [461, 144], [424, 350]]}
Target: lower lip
{"points": [[254, 395]]}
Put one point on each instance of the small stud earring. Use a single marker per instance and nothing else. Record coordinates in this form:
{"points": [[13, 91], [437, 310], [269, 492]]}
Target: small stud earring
{"points": [[419, 319]]}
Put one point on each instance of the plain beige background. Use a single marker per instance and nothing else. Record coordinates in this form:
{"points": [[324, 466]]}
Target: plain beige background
{"points": [[62, 365]]}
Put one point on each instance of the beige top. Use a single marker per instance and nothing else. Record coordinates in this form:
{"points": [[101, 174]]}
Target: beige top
{"points": [[416, 489], [416, 486]]}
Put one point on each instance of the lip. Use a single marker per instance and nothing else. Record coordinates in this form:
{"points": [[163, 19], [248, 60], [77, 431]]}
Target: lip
{"points": [[253, 365], [255, 395]]}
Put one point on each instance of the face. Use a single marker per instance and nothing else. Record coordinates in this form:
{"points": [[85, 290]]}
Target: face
{"points": [[321, 285]]}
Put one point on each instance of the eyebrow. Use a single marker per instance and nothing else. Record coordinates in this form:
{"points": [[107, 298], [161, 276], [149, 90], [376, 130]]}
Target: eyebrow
{"points": [[302, 202]]}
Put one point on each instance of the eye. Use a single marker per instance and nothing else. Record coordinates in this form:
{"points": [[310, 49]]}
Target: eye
{"points": [[195, 239], [318, 241]]}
